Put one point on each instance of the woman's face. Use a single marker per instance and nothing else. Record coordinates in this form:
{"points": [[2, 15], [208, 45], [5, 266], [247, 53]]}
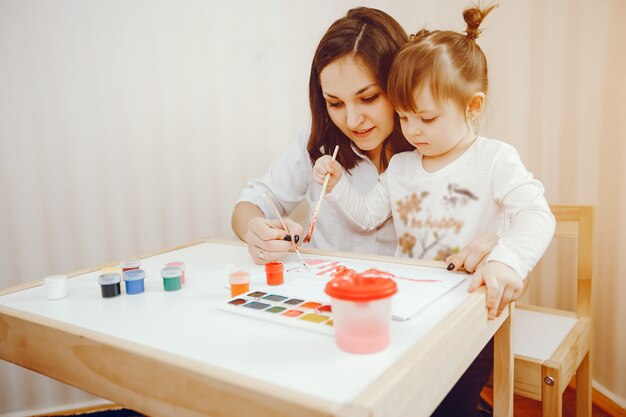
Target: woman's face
{"points": [[356, 104]]}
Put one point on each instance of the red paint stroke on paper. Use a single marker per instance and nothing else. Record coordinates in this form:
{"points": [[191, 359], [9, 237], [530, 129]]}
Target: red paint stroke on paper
{"points": [[377, 273], [315, 261], [333, 268]]}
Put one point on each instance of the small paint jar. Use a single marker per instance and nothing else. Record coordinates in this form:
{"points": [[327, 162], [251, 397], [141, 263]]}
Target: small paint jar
{"points": [[171, 278], [274, 273], [55, 286], [181, 265], [134, 279], [128, 264], [239, 283], [110, 284], [361, 306]]}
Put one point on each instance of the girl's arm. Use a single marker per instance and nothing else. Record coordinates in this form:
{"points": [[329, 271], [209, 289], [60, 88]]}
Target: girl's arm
{"points": [[529, 227], [529, 224], [367, 212]]}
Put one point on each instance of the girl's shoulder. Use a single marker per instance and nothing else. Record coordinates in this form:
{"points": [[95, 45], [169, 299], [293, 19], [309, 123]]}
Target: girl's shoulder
{"points": [[493, 147], [404, 157]]}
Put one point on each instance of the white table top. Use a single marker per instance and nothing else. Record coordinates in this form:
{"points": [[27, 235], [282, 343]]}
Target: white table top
{"points": [[189, 324]]}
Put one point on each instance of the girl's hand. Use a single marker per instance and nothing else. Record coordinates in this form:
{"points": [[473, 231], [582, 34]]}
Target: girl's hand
{"points": [[266, 238], [504, 285], [472, 256], [325, 165]]}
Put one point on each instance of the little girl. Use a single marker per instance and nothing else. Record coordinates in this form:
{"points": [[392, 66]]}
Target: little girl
{"points": [[455, 185]]}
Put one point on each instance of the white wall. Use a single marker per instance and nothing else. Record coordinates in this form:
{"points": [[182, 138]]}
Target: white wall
{"points": [[130, 126]]}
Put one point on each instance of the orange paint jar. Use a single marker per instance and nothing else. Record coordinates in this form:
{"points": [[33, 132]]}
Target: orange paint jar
{"points": [[239, 283], [274, 273]]}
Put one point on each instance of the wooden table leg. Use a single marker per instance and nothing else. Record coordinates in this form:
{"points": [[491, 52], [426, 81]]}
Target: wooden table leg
{"points": [[503, 368]]}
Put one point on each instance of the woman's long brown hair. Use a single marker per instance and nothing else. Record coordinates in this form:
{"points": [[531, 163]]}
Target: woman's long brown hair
{"points": [[374, 37]]}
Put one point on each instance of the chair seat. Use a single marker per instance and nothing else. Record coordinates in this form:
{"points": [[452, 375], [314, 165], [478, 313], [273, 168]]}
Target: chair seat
{"points": [[537, 334]]}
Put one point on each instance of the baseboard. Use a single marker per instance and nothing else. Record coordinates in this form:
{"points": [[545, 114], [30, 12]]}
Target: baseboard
{"points": [[58, 408], [608, 401], [603, 398]]}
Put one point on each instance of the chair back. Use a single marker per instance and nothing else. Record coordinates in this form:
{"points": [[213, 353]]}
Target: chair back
{"points": [[576, 222]]}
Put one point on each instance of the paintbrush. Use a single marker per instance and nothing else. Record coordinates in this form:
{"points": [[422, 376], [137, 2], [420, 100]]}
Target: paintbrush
{"points": [[307, 238], [293, 244]]}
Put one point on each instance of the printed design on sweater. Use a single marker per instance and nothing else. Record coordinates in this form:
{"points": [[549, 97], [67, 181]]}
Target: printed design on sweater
{"points": [[411, 204], [427, 233], [407, 243], [458, 195]]}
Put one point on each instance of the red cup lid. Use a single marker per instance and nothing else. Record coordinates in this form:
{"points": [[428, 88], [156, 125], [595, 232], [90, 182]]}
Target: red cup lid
{"points": [[274, 267], [368, 285]]}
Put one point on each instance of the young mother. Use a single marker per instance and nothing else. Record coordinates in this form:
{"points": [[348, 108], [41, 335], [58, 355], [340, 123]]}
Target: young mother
{"points": [[349, 108]]}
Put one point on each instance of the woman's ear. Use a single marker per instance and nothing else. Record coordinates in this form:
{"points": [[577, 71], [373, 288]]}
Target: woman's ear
{"points": [[475, 106]]}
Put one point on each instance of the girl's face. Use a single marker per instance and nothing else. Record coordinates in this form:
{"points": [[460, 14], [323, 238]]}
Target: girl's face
{"points": [[356, 104], [437, 128]]}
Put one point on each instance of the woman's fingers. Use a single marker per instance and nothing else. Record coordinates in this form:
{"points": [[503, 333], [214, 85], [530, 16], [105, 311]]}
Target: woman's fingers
{"points": [[267, 240], [295, 230]]}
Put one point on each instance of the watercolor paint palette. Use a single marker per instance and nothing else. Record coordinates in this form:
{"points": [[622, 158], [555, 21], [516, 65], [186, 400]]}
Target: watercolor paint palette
{"points": [[279, 308]]}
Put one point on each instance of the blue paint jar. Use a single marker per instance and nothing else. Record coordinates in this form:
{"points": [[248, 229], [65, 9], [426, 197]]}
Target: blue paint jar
{"points": [[134, 279]]}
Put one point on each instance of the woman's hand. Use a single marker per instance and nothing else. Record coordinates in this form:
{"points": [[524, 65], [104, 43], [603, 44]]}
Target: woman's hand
{"points": [[504, 285], [326, 165], [474, 254], [266, 238]]}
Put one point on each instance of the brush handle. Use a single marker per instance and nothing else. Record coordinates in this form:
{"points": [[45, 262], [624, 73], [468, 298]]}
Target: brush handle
{"points": [[269, 197], [325, 184]]}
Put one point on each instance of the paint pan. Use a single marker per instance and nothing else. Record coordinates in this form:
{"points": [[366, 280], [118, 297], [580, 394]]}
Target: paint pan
{"points": [[110, 284], [282, 309]]}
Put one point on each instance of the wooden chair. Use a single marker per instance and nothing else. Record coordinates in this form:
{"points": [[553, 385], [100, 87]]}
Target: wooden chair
{"points": [[552, 345]]}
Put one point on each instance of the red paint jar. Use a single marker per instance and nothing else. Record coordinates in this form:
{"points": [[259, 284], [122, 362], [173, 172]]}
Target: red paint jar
{"points": [[181, 265], [274, 273], [129, 264]]}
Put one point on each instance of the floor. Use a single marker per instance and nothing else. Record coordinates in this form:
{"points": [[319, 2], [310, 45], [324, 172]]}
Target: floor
{"points": [[525, 407]]}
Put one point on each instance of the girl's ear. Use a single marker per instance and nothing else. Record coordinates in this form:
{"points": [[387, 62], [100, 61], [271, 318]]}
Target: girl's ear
{"points": [[475, 106]]}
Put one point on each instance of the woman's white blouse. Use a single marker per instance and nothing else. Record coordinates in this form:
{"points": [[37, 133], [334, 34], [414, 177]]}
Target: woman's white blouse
{"points": [[289, 181]]}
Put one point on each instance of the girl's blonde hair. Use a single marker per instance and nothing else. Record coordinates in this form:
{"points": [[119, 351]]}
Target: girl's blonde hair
{"points": [[451, 63]]}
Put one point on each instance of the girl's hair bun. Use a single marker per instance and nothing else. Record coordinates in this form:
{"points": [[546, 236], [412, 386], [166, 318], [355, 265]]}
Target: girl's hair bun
{"points": [[474, 16], [419, 35]]}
